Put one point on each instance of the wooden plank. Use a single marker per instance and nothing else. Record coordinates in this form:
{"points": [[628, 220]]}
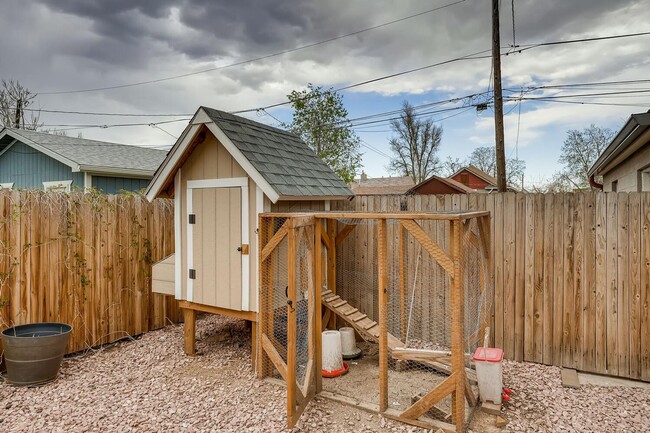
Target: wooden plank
{"points": [[457, 328], [498, 217], [612, 284], [272, 244], [558, 278], [274, 356], [549, 265], [383, 315], [291, 328], [578, 281], [237, 314], [331, 267], [319, 280], [588, 331], [340, 237], [569, 269], [441, 390], [189, 331], [644, 300], [428, 244], [634, 284], [529, 289], [509, 316], [600, 296], [622, 288], [401, 247], [520, 275], [538, 278]]}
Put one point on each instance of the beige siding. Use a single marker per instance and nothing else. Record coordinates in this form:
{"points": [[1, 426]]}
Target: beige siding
{"points": [[210, 160], [162, 276], [626, 172]]}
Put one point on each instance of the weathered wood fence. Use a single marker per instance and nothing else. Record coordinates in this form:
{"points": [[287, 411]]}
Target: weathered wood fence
{"points": [[84, 259], [572, 274]]}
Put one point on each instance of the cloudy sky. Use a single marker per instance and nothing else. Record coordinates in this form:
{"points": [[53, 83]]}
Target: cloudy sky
{"points": [[59, 46]]}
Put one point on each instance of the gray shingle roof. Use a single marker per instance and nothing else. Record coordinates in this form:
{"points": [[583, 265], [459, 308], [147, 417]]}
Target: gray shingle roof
{"points": [[283, 159], [92, 153]]}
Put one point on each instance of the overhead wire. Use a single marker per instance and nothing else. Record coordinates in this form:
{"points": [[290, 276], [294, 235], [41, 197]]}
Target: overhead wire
{"points": [[255, 59]]}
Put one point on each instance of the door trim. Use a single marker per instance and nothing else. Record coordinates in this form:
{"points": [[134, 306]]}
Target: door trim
{"points": [[232, 182]]}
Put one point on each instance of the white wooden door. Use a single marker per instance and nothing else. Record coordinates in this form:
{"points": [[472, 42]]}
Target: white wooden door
{"points": [[217, 250]]}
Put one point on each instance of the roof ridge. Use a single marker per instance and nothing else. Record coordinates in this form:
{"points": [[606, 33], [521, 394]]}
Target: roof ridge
{"points": [[89, 140], [250, 122]]}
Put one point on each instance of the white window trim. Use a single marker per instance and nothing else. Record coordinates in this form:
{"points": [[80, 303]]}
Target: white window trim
{"points": [[233, 182], [7, 185], [57, 184]]}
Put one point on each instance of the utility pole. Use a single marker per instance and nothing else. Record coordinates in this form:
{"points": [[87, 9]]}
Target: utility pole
{"points": [[19, 103], [498, 100]]}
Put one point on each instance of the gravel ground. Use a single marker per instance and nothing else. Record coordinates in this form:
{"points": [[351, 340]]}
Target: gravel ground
{"points": [[149, 385], [541, 404]]}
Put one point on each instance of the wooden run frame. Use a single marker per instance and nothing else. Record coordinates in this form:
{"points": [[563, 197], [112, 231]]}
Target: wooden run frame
{"points": [[321, 227]]}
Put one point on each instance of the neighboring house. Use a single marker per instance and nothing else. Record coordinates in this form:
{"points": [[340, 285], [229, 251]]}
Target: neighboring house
{"points": [[440, 185], [475, 178], [381, 185], [625, 164], [36, 160]]}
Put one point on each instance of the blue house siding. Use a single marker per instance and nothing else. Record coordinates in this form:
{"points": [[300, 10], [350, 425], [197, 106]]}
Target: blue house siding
{"points": [[28, 168], [113, 185]]}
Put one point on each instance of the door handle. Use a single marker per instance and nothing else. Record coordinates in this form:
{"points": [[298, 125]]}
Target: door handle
{"points": [[243, 249], [239, 249]]}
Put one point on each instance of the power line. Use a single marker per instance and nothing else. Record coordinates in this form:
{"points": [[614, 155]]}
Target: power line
{"points": [[255, 59], [374, 80], [574, 41]]}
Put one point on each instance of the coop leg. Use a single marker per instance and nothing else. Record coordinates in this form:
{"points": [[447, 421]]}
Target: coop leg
{"points": [[253, 344], [189, 331]]}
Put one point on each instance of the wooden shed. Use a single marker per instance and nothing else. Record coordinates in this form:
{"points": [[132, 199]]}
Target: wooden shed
{"points": [[222, 172]]}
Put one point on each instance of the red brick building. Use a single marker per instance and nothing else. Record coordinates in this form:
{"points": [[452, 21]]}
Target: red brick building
{"points": [[474, 178]]}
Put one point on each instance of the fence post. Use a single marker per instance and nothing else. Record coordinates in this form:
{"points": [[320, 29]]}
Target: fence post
{"points": [[383, 314]]}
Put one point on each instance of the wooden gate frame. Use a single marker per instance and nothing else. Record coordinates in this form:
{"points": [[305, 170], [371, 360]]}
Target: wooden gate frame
{"points": [[326, 234], [297, 396]]}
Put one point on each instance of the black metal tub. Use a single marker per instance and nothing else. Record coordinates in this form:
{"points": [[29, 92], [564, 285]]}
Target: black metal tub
{"points": [[33, 353]]}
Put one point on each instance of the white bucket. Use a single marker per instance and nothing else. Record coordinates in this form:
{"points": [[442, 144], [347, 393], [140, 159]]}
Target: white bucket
{"points": [[332, 355], [348, 341]]}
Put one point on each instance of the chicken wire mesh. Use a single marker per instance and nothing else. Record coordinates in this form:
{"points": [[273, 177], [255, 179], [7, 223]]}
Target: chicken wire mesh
{"points": [[273, 297], [419, 305], [419, 298], [277, 301]]}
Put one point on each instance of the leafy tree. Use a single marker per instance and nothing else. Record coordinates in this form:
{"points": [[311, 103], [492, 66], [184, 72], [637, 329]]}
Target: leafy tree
{"points": [[485, 158], [321, 120], [415, 145], [579, 152], [14, 98]]}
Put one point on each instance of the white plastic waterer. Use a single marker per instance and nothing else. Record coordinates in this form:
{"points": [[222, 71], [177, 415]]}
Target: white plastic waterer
{"points": [[332, 354], [349, 343]]}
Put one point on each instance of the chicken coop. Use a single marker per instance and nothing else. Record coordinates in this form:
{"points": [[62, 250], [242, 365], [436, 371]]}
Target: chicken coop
{"points": [[415, 287]]}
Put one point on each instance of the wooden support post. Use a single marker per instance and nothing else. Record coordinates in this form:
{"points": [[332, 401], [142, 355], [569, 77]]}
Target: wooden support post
{"points": [[254, 345], [263, 363], [291, 329], [189, 331], [402, 280], [331, 266], [318, 280], [383, 314], [457, 327]]}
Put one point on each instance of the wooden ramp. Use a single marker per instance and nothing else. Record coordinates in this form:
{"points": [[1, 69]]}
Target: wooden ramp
{"points": [[365, 326], [369, 330]]}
